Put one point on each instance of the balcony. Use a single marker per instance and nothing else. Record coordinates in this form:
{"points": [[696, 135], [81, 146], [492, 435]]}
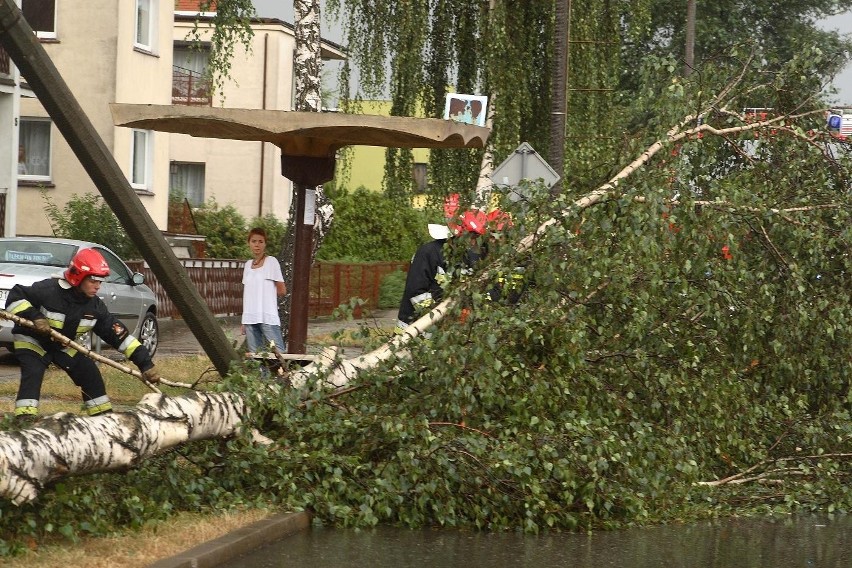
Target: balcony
{"points": [[190, 88]]}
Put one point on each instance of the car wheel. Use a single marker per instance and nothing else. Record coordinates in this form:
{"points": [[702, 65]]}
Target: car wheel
{"points": [[149, 333]]}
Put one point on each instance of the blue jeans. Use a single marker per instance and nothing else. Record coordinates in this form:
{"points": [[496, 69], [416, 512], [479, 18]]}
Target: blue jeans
{"points": [[258, 336]]}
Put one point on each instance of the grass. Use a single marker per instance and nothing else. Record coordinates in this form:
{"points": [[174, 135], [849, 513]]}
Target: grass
{"points": [[141, 548], [60, 394]]}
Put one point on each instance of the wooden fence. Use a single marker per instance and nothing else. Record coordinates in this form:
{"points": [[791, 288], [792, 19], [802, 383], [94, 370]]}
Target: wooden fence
{"points": [[220, 283]]}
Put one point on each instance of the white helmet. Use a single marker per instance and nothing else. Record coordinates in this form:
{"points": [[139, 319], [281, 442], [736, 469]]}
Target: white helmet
{"points": [[439, 231]]}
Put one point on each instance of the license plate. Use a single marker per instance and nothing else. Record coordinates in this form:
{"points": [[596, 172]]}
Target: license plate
{"points": [[3, 294]]}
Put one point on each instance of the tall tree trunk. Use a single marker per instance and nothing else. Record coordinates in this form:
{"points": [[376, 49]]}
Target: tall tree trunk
{"points": [[307, 71], [689, 56], [484, 183], [65, 444], [556, 151]]}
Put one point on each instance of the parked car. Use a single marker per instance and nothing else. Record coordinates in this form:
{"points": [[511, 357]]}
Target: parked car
{"points": [[26, 260]]}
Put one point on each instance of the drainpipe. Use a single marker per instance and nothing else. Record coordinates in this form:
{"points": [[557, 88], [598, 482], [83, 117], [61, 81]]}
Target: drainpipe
{"points": [[262, 143]]}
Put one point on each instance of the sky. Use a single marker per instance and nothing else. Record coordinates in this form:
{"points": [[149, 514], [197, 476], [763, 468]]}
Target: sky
{"points": [[843, 81], [283, 10]]}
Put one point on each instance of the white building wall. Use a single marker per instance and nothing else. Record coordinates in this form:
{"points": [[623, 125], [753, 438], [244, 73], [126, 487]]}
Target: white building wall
{"points": [[95, 55], [247, 175]]}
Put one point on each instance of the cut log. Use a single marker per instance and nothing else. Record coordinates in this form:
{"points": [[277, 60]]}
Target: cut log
{"points": [[67, 444]]}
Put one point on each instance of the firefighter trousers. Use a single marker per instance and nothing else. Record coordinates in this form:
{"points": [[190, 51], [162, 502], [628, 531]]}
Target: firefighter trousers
{"points": [[82, 370]]}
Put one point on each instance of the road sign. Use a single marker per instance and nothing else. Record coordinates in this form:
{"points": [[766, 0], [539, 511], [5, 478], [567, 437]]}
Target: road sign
{"points": [[524, 164]]}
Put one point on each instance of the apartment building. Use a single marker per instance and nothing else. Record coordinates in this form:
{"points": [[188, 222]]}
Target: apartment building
{"points": [[136, 51]]}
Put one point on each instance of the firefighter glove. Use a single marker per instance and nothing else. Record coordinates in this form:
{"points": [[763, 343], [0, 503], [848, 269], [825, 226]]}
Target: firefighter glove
{"points": [[152, 375], [42, 326]]}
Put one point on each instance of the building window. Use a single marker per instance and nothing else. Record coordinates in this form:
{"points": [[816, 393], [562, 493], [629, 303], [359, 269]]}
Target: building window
{"points": [[34, 149], [420, 177], [146, 24], [140, 166], [186, 180], [41, 16]]}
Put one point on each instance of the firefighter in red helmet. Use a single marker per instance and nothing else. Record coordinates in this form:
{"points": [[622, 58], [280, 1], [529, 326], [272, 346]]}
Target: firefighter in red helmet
{"points": [[69, 305]]}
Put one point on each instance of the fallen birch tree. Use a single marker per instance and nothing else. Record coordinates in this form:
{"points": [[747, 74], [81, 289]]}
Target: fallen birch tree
{"points": [[71, 445]]}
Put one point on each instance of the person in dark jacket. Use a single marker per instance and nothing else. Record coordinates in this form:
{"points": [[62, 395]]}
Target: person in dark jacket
{"points": [[427, 275], [425, 279], [69, 305]]}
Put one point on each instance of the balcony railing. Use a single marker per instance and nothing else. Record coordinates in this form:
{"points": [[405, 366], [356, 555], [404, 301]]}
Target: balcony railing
{"points": [[190, 88]]}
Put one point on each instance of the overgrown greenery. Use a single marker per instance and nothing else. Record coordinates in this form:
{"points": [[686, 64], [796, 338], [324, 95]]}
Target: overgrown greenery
{"points": [[89, 218], [391, 290], [414, 50], [369, 226]]}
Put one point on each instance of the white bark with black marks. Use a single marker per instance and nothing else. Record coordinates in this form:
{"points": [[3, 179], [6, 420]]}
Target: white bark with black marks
{"points": [[67, 444]]}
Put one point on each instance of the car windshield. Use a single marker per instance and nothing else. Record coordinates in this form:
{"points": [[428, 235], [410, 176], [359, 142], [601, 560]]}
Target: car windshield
{"points": [[35, 252]]}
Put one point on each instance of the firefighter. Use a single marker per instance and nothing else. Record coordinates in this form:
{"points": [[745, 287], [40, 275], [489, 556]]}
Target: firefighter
{"points": [[427, 274], [69, 305]]}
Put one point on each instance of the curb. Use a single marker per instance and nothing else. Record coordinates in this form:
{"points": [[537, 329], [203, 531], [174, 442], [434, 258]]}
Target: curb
{"points": [[242, 541]]}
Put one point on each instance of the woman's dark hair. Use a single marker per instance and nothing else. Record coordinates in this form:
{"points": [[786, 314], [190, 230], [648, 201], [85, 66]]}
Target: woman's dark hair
{"points": [[257, 231]]}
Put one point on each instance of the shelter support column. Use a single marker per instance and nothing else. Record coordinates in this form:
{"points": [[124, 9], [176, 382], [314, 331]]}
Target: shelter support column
{"points": [[306, 173]]}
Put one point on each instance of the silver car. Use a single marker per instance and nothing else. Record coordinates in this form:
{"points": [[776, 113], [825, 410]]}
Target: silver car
{"points": [[26, 260]]}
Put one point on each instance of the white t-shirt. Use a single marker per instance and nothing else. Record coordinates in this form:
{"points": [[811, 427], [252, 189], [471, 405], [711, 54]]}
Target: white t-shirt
{"points": [[260, 300]]}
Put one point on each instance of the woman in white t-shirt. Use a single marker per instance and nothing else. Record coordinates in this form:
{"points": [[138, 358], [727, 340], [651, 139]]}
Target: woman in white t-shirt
{"points": [[263, 284]]}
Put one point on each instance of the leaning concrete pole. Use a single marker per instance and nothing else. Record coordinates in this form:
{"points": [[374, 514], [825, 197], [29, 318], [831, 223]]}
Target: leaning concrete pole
{"points": [[20, 42]]}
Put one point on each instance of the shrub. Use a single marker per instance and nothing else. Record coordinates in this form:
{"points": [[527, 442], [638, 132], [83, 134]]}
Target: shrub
{"points": [[390, 289], [225, 229], [89, 218], [371, 227]]}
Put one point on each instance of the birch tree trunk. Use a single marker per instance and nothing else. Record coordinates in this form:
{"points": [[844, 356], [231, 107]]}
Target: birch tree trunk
{"points": [[307, 66], [484, 184], [67, 444]]}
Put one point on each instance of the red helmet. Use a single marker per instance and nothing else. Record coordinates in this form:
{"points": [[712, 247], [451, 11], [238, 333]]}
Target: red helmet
{"points": [[87, 262], [473, 221], [498, 220]]}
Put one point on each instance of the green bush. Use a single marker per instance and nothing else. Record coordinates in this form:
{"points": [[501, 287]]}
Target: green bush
{"points": [[89, 218], [390, 289], [368, 226], [225, 229]]}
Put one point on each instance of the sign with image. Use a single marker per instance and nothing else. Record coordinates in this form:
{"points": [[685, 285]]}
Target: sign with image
{"points": [[469, 109]]}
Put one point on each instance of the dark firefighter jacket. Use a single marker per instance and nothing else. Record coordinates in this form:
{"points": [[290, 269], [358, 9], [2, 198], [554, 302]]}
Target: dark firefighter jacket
{"points": [[422, 284], [70, 313]]}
